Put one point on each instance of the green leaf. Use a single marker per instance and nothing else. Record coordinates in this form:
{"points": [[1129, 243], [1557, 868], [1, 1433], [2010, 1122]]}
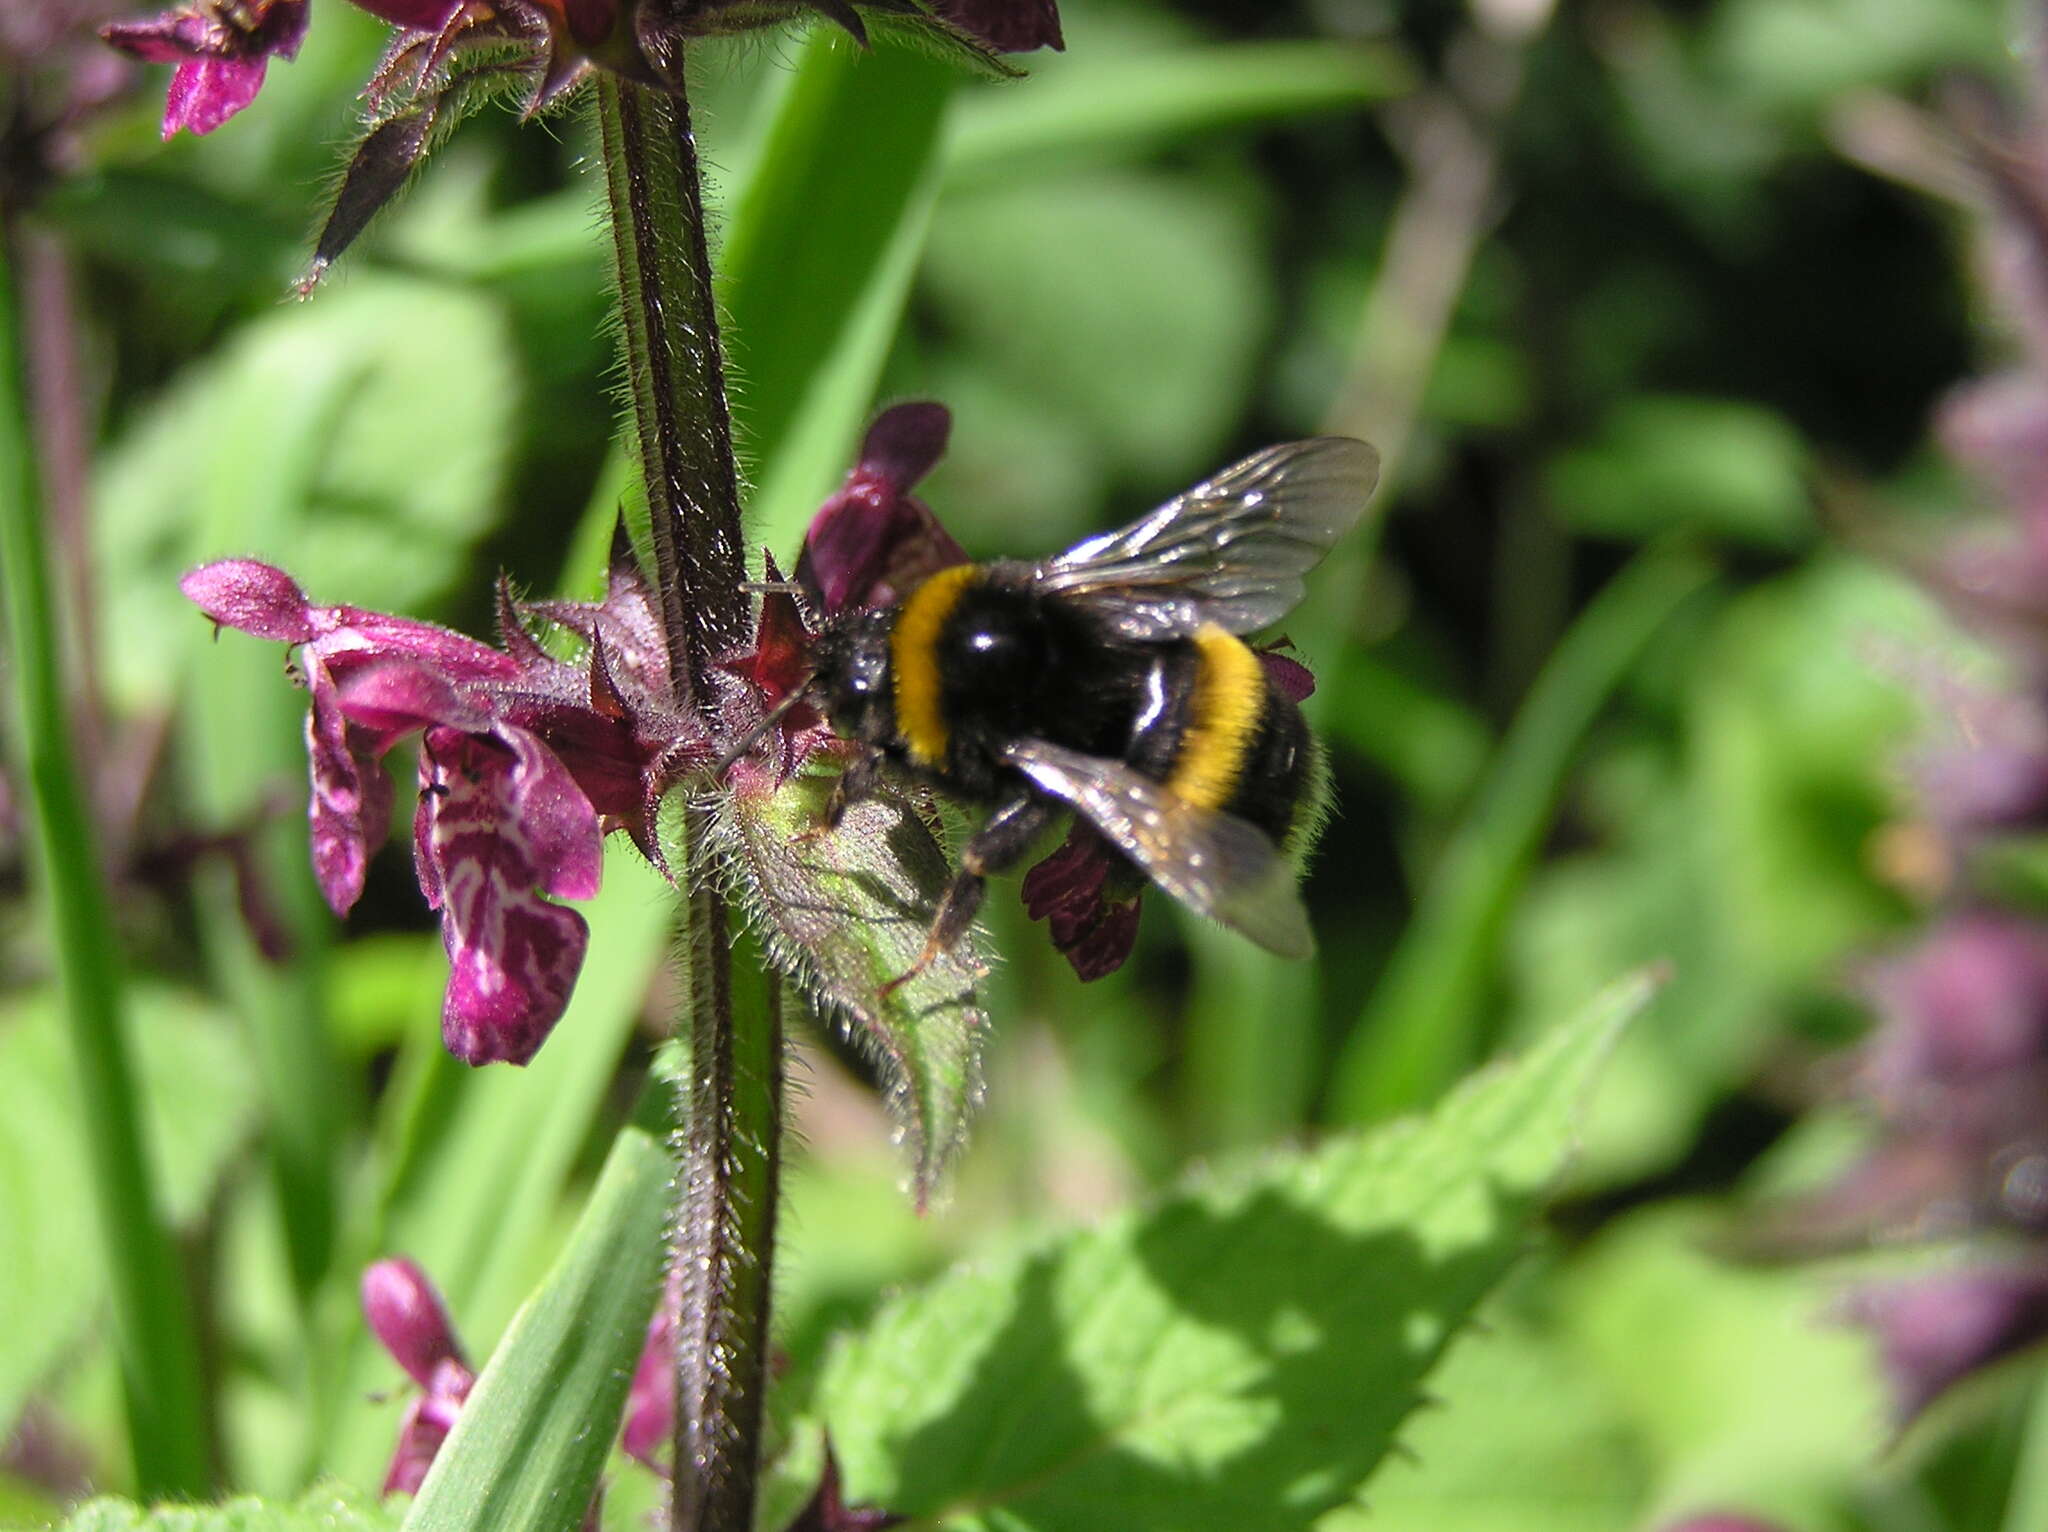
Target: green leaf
{"points": [[1524, 1437], [1716, 466], [1741, 1392], [1133, 105], [1150, 349], [1427, 1014], [527, 1450], [199, 1095], [305, 442], [1797, 706], [845, 911], [1241, 1355], [849, 152], [319, 1510]]}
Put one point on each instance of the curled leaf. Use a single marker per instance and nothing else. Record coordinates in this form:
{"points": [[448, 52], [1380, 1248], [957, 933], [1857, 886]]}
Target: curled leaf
{"points": [[845, 911]]}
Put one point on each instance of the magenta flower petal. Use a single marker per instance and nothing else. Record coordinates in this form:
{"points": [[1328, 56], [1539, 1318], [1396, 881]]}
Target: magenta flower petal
{"points": [[651, 1401], [1292, 679], [221, 52], [406, 1314], [1935, 1332], [349, 812], [906, 442], [397, 696], [873, 540], [496, 827], [206, 92], [252, 597], [1970, 1003], [416, 15], [428, 1420]]}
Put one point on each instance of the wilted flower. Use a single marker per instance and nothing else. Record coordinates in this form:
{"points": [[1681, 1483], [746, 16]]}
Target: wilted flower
{"points": [[525, 761]]}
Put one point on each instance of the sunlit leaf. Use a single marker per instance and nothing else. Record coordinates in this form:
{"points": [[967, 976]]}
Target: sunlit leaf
{"points": [[1241, 1355], [321, 1510], [527, 1450], [196, 1081]]}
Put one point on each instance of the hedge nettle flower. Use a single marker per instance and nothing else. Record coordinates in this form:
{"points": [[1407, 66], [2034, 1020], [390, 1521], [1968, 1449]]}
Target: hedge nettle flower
{"points": [[1955, 1077], [223, 47], [1938, 1330], [407, 1316], [525, 761]]}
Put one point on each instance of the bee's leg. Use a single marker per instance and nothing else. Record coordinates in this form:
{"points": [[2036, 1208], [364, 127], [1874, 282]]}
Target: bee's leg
{"points": [[996, 847]]}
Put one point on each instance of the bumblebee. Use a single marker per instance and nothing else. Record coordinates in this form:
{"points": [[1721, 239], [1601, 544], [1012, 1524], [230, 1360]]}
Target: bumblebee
{"points": [[1112, 681]]}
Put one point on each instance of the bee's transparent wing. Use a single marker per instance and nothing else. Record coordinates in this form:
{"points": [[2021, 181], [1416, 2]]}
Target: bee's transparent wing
{"points": [[1232, 550], [1216, 864]]}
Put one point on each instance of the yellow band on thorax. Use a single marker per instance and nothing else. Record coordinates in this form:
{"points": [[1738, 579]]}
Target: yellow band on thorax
{"points": [[914, 660], [1229, 697]]}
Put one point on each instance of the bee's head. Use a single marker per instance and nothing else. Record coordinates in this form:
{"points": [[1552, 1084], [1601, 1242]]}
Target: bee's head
{"points": [[852, 682]]}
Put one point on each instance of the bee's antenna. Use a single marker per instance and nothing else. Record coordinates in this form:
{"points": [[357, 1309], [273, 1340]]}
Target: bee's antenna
{"points": [[761, 730]]}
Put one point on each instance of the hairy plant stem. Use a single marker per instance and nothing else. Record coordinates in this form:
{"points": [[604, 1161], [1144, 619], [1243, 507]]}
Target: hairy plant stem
{"points": [[730, 1143], [153, 1321], [675, 370]]}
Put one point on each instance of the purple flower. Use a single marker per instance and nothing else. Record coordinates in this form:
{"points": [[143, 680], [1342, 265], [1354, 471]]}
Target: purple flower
{"points": [[222, 49], [407, 1316], [1969, 1005], [874, 541], [1934, 1332], [650, 1423], [525, 762]]}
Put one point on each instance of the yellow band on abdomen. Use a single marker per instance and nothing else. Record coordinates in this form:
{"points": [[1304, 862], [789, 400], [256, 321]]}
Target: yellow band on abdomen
{"points": [[914, 660], [1229, 696]]}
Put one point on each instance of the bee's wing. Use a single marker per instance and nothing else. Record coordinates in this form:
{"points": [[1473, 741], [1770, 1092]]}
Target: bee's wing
{"points": [[1232, 550], [1216, 864]]}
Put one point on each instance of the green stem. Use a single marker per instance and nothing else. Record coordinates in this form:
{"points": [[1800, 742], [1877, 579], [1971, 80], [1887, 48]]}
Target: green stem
{"points": [[730, 1144], [731, 1152], [153, 1319], [1422, 1024], [675, 370]]}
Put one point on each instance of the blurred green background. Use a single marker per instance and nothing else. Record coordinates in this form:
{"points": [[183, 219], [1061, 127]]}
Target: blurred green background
{"points": [[1635, 302]]}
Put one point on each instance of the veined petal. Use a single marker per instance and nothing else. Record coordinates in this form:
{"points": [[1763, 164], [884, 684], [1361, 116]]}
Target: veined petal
{"points": [[497, 825], [349, 812]]}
